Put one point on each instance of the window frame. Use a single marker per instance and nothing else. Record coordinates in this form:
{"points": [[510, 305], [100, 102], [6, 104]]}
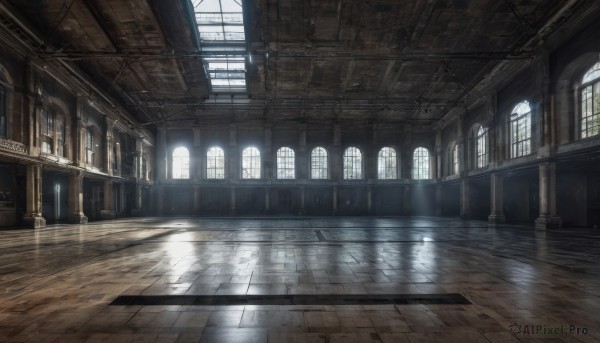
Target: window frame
{"points": [[213, 170], [182, 161], [481, 153], [593, 85], [349, 163], [383, 171], [417, 167], [255, 169], [286, 163], [522, 146], [322, 172]]}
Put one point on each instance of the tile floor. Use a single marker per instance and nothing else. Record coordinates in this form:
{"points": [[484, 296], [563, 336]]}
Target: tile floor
{"points": [[56, 283]]}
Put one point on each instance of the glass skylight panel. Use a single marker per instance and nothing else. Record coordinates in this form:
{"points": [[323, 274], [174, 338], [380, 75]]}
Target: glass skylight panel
{"points": [[221, 28]]}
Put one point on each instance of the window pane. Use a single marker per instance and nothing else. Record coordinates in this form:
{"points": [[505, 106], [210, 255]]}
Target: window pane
{"points": [[318, 163], [215, 163], [250, 163], [386, 164], [285, 163], [352, 164], [421, 164], [521, 130], [181, 163]]}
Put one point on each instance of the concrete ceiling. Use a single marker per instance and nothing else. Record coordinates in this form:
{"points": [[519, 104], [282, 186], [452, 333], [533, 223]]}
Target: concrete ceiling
{"points": [[385, 60]]}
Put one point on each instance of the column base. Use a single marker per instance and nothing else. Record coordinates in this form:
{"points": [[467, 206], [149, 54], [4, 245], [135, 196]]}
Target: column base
{"points": [[496, 218], [548, 222], [35, 221], [78, 218], [107, 214]]}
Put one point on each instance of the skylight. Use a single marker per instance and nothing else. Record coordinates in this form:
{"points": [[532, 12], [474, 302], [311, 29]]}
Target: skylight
{"points": [[221, 28]]}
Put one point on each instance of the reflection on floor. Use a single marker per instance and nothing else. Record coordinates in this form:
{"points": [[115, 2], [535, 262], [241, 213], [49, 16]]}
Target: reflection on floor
{"points": [[57, 283]]}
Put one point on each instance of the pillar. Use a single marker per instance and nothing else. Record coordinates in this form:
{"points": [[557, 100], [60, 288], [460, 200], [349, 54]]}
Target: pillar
{"points": [[335, 201], [438, 200], [465, 208], [197, 200], [497, 199], [267, 200], [33, 197], [548, 217], [76, 215], [407, 201], [198, 157], [302, 201], [161, 155], [232, 208], [137, 200], [108, 210], [370, 199], [268, 169]]}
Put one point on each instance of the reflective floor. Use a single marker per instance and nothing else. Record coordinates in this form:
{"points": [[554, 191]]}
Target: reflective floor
{"points": [[57, 283]]}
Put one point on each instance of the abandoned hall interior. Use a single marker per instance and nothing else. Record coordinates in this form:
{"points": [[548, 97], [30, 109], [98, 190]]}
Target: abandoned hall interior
{"points": [[299, 171]]}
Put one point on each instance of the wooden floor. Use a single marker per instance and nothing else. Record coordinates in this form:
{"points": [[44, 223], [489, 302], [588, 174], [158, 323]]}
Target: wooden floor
{"points": [[57, 283]]}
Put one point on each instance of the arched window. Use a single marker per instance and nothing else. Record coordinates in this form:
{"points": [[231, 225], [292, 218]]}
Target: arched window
{"points": [[520, 130], [47, 131], [3, 112], [60, 136], [386, 164], [352, 164], [318, 163], [481, 148], [421, 164], [455, 160], [250, 163], [89, 146], [215, 163], [181, 163], [285, 163], [590, 102]]}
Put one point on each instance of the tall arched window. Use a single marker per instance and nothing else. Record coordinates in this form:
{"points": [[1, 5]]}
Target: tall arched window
{"points": [[318, 163], [215, 163], [285, 164], [481, 148], [421, 164], [520, 130], [47, 131], [386, 164], [89, 146], [352, 164], [590, 102], [3, 112], [60, 136], [181, 163], [250, 163], [455, 160]]}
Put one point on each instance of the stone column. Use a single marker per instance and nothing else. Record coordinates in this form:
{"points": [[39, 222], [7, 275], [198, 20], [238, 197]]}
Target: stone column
{"points": [[497, 199], [370, 199], [407, 201], [302, 210], [108, 211], [465, 207], [198, 157], [76, 215], [33, 197], [548, 216], [336, 153], [137, 199], [302, 159], [161, 155], [437, 157], [232, 207], [108, 147], [197, 195], [233, 156], [438, 200], [267, 200], [269, 170], [335, 201]]}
